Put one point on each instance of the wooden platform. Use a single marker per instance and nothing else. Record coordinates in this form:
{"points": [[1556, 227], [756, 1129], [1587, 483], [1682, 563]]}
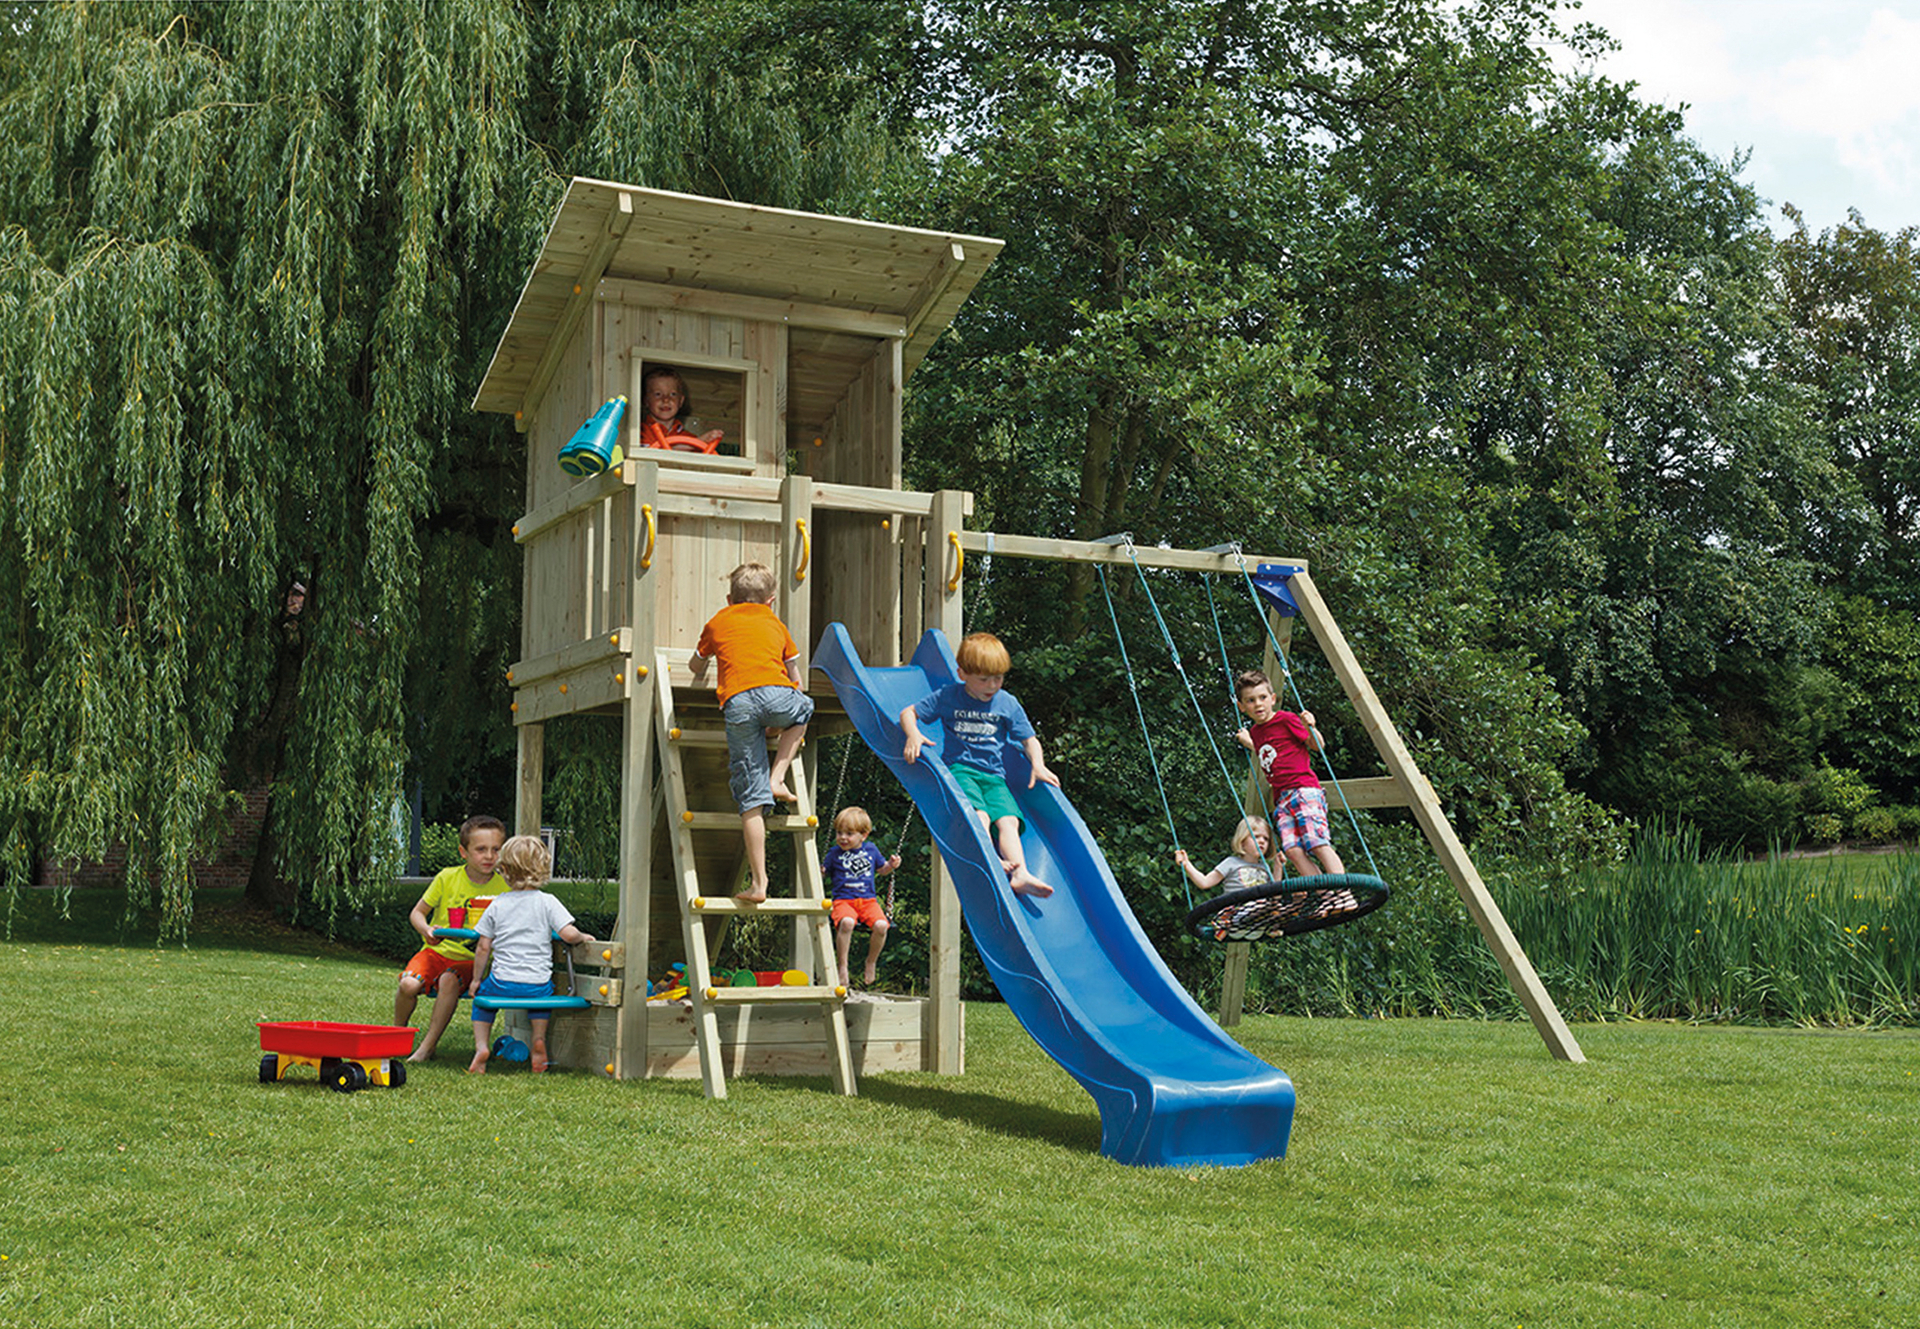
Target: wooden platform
{"points": [[886, 1034]]}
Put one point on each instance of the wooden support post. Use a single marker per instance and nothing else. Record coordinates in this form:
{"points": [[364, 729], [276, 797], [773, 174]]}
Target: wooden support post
{"points": [[531, 784], [637, 800], [941, 609], [1433, 822]]}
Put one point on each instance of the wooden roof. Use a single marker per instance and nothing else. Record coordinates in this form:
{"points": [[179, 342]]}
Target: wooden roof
{"points": [[828, 275]]}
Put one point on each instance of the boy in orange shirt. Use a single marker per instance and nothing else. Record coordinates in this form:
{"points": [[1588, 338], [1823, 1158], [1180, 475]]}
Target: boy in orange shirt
{"points": [[759, 689]]}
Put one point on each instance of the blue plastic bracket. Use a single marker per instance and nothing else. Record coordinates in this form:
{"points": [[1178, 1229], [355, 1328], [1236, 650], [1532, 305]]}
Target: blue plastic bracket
{"points": [[1270, 581]]}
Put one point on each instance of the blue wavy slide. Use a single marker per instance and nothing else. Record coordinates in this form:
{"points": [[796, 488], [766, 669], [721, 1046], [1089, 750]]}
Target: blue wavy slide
{"points": [[1075, 968]]}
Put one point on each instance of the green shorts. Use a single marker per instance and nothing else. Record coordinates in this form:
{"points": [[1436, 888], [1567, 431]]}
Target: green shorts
{"points": [[987, 793]]}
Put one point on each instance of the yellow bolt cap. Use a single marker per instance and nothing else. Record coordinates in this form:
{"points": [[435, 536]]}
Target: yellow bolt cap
{"points": [[686, 817], [606, 955]]}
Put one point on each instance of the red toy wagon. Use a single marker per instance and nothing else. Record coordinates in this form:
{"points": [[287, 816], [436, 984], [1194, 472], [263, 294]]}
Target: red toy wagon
{"points": [[349, 1056]]}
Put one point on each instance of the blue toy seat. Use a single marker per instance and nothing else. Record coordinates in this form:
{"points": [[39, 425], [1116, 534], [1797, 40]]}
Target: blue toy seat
{"points": [[532, 1003]]}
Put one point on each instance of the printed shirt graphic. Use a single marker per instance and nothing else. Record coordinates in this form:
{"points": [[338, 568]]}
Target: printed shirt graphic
{"points": [[1238, 874], [852, 871], [1282, 745], [974, 729]]}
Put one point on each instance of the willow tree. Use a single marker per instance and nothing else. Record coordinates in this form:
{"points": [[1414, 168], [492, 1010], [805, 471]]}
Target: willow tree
{"points": [[253, 257]]}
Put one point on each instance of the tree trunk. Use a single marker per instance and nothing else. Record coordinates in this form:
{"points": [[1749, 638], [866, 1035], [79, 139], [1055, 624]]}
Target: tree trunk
{"points": [[265, 886]]}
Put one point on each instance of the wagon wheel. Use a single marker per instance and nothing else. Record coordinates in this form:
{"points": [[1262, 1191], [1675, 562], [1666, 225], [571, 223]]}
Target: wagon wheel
{"points": [[341, 1076], [269, 1068], [396, 1072], [1287, 908]]}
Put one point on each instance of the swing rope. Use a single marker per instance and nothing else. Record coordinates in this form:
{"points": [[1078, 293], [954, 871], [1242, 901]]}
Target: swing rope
{"points": [[1274, 908], [1173, 652], [1234, 717], [1293, 689], [1153, 759], [900, 842]]}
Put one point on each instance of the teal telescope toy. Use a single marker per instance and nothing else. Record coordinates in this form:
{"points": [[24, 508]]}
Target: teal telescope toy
{"points": [[595, 445]]}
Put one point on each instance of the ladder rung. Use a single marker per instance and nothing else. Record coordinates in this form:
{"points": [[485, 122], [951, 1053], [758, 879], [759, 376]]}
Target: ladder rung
{"points": [[699, 738], [726, 904], [730, 821], [710, 738], [741, 996]]}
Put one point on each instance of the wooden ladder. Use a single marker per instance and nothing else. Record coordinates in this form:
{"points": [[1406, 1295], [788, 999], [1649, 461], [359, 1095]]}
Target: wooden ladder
{"points": [[809, 899]]}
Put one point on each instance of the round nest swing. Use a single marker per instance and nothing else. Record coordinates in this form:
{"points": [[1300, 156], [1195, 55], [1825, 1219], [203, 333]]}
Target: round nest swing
{"points": [[1287, 908]]}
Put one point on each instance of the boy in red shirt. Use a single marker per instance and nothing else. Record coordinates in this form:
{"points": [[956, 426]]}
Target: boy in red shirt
{"points": [[1283, 744], [759, 689]]}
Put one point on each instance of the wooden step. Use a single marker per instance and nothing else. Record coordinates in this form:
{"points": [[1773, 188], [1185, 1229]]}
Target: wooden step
{"points": [[726, 904], [730, 821]]}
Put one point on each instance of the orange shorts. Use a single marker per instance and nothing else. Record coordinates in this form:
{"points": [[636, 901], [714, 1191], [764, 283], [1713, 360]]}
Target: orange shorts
{"points": [[867, 911], [427, 965]]}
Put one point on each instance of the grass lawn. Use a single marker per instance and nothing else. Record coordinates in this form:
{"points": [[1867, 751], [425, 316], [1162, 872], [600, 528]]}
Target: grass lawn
{"points": [[1440, 1173]]}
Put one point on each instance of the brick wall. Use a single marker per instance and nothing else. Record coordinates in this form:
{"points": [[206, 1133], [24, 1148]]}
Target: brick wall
{"points": [[228, 868]]}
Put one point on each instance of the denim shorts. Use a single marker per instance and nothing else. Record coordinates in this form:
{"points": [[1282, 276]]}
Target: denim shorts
{"points": [[749, 715]]}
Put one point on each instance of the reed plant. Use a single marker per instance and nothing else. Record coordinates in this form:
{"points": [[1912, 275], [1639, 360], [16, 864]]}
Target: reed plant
{"points": [[1674, 932]]}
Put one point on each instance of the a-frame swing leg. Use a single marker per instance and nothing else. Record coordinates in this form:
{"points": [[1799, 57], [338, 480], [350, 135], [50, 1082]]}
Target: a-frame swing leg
{"points": [[1433, 823]]}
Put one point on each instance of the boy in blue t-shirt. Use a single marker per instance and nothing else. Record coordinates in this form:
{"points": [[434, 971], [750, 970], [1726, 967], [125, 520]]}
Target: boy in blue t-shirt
{"points": [[851, 867], [977, 716]]}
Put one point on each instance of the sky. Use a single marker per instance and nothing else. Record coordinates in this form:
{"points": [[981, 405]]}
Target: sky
{"points": [[1825, 94]]}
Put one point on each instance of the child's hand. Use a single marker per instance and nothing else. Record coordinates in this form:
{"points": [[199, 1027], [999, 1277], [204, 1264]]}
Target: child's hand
{"points": [[914, 743], [1306, 718], [893, 861], [712, 436], [697, 666], [1041, 772], [1180, 857]]}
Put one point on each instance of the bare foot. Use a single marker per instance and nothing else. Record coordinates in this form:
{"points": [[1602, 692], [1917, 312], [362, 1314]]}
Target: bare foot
{"points": [[752, 897], [539, 1056], [420, 1058], [1025, 883], [867, 977], [782, 793], [478, 1066]]}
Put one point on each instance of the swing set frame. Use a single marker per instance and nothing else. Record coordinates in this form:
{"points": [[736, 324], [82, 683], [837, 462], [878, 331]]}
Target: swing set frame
{"points": [[1291, 594]]}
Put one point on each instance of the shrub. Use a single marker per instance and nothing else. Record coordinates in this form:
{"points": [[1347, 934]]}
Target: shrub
{"points": [[1825, 827], [1878, 824]]}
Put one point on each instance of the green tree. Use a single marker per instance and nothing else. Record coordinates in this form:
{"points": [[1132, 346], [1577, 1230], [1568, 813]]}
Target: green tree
{"points": [[1852, 297], [1269, 264], [253, 258]]}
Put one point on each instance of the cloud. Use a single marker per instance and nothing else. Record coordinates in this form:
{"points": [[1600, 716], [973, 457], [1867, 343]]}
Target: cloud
{"points": [[1862, 99]]}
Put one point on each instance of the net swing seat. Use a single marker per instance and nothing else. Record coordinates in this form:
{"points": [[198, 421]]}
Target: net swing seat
{"points": [[1287, 907]]}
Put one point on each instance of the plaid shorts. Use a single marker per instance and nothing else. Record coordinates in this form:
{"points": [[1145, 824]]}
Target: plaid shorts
{"points": [[1300, 816]]}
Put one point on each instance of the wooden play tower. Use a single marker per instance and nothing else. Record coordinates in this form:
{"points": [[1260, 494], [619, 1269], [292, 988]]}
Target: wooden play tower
{"points": [[795, 334]]}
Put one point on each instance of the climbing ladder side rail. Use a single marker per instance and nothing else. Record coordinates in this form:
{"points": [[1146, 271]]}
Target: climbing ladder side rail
{"points": [[693, 929]]}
